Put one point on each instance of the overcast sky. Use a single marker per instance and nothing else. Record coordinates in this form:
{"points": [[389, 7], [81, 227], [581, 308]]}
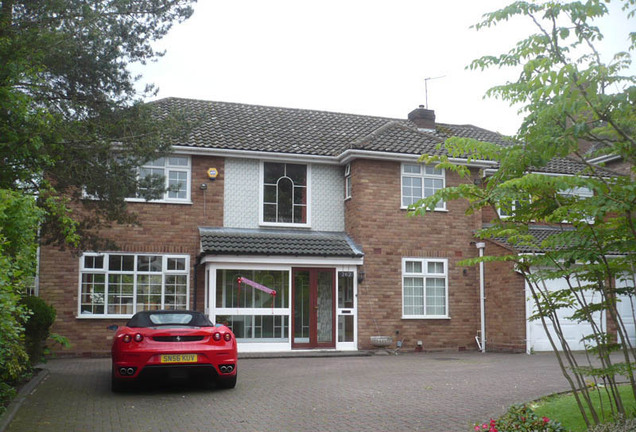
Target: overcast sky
{"points": [[361, 57]]}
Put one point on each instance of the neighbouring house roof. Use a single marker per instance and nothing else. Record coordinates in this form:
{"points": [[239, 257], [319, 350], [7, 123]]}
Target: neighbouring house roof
{"points": [[235, 241], [567, 165], [292, 131], [445, 131]]}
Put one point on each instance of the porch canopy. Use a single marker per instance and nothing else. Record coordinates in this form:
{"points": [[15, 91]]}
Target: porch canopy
{"points": [[236, 241]]}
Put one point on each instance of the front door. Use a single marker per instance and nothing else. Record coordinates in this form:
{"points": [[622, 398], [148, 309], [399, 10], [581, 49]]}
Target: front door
{"points": [[313, 308]]}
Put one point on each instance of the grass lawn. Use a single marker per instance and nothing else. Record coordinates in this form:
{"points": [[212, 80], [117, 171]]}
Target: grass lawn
{"points": [[563, 408]]}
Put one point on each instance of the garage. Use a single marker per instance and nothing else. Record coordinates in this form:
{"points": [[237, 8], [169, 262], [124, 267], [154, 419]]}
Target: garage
{"points": [[537, 339], [627, 310]]}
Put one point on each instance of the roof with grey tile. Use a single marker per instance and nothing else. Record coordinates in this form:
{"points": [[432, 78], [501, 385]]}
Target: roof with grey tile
{"points": [[445, 131], [242, 127], [539, 233], [399, 137], [233, 241], [234, 126]]}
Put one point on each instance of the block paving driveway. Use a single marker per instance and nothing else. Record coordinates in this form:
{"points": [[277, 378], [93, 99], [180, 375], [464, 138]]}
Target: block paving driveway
{"points": [[407, 392]]}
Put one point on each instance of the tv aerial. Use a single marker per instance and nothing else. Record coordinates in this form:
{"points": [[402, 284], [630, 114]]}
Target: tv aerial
{"points": [[426, 80]]}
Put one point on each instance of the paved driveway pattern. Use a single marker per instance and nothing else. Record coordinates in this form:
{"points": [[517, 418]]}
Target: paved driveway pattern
{"points": [[408, 392]]}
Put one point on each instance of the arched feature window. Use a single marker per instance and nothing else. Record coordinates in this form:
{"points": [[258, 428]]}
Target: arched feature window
{"points": [[284, 193]]}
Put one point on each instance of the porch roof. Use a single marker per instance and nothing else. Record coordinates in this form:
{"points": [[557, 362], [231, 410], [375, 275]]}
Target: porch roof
{"points": [[235, 241]]}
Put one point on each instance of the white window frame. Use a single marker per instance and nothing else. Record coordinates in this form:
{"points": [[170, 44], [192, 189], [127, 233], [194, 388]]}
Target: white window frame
{"points": [[217, 310], [261, 216], [424, 275], [169, 168], [104, 270], [347, 176], [513, 208], [423, 172], [581, 193]]}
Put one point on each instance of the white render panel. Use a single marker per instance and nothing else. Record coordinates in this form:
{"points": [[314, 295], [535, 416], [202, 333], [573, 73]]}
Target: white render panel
{"points": [[241, 198], [327, 200]]}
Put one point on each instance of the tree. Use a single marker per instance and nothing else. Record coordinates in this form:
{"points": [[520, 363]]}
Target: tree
{"points": [[18, 245], [67, 98], [72, 126], [573, 100]]}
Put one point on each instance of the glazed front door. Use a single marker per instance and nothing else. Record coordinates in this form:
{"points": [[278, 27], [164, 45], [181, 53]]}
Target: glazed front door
{"points": [[313, 308]]}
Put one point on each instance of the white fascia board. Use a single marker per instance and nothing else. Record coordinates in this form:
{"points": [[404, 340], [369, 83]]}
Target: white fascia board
{"points": [[605, 158], [488, 172], [350, 155], [342, 159], [283, 260], [258, 155]]}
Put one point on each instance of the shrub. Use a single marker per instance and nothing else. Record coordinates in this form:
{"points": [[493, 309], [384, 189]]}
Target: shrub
{"points": [[624, 425], [36, 328], [520, 418]]}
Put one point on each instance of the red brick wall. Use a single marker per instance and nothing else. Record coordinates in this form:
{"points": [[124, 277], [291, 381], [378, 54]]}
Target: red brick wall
{"points": [[374, 219], [164, 228], [505, 304]]}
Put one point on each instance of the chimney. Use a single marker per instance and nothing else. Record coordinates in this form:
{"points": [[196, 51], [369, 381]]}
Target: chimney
{"points": [[423, 118]]}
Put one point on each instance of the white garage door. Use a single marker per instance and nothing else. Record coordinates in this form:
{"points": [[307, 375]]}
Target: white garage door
{"points": [[626, 308], [537, 339]]}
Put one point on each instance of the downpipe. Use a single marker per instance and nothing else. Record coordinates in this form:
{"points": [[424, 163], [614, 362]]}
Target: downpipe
{"points": [[481, 338]]}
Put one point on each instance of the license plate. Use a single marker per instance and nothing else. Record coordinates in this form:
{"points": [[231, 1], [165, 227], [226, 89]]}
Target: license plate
{"points": [[178, 358]]}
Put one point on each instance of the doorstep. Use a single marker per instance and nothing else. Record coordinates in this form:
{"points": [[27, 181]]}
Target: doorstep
{"points": [[303, 354]]}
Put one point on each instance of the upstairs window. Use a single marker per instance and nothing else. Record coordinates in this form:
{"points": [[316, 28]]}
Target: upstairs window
{"points": [[285, 193], [174, 171], [578, 193], [507, 209], [421, 181], [347, 181]]}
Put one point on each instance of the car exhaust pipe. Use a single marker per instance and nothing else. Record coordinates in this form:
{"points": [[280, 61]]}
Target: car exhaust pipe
{"points": [[123, 371], [226, 368]]}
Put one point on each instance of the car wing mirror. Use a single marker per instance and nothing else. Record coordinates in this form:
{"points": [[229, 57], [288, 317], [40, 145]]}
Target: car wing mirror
{"points": [[112, 327]]}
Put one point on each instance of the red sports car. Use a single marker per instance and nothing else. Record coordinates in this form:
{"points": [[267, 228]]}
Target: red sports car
{"points": [[173, 344]]}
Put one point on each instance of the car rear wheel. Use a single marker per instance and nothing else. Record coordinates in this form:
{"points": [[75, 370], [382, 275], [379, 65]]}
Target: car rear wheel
{"points": [[227, 383]]}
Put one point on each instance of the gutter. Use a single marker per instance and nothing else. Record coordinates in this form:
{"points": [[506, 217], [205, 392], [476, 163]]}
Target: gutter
{"points": [[341, 159]]}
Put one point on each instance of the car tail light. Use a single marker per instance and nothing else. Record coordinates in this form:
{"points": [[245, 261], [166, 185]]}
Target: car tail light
{"points": [[127, 338], [227, 337], [216, 336], [139, 337]]}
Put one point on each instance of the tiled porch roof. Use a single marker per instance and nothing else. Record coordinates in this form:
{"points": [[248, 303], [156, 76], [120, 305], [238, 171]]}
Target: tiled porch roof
{"points": [[233, 241]]}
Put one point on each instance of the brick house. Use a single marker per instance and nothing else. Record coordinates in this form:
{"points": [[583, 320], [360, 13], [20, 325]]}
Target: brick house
{"points": [[312, 205]]}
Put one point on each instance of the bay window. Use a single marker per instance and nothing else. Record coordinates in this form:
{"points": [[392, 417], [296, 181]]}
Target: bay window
{"points": [[118, 284]]}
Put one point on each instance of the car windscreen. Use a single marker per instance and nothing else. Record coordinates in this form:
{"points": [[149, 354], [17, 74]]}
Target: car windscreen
{"points": [[150, 319]]}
